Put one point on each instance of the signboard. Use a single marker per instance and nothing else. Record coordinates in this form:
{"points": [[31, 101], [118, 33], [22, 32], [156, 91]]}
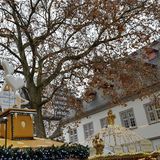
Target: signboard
{"points": [[7, 99]]}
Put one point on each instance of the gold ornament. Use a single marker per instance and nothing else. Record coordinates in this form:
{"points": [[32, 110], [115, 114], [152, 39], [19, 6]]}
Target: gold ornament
{"points": [[111, 118], [98, 144]]}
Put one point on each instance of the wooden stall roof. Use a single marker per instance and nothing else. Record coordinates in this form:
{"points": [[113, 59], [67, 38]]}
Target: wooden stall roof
{"points": [[16, 110], [35, 143]]}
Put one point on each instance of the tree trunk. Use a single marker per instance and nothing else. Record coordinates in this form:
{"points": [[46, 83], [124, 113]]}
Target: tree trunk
{"points": [[35, 99], [39, 125]]}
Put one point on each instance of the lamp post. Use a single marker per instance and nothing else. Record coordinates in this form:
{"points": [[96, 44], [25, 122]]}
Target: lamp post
{"points": [[6, 128]]}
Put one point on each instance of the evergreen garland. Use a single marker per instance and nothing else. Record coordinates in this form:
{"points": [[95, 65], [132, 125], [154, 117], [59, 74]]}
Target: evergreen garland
{"points": [[64, 152]]}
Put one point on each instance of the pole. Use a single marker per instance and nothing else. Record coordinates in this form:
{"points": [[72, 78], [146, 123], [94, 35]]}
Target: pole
{"points": [[6, 128]]}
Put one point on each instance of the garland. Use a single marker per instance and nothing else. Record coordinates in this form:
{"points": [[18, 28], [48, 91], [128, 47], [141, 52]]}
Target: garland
{"points": [[64, 152]]}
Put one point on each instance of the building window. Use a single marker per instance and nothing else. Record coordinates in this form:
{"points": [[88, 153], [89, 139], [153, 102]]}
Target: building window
{"points": [[153, 112], [88, 130], [128, 118], [103, 122], [73, 137]]}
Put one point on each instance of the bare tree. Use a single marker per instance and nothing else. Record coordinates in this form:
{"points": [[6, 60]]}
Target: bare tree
{"points": [[54, 41]]}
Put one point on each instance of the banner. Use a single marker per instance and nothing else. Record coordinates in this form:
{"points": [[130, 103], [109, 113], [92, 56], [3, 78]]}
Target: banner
{"points": [[7, 99]]}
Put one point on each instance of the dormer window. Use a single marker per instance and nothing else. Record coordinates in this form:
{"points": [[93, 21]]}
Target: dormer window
{"points": [[150, 53], [90, 96]]}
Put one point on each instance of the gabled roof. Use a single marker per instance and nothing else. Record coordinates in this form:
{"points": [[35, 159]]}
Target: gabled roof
{"points": [[150, 53]]}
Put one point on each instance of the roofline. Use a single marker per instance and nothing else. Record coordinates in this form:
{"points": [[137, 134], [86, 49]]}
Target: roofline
{"points": [[16, 110], [153, 88]]}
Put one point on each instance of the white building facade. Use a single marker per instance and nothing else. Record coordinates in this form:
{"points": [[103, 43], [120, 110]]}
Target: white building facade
{"points": [[141, 116]]}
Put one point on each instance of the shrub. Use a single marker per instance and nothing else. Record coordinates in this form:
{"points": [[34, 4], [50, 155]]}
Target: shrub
{"points": [[64, 152]]}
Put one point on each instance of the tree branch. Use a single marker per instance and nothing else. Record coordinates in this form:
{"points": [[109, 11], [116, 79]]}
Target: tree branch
{"points": [[32, 12], [54, 91], [20, 43], [10, 51]]}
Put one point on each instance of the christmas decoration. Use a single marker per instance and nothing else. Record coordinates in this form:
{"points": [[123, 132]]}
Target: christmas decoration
{"points": [[64, 152]]}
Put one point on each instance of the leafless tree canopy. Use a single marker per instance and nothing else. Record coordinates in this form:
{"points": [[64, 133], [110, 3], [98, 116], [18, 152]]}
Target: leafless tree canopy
{"points": [[53, 41]]}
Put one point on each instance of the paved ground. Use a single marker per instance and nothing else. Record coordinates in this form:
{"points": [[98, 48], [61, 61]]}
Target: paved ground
{"points": [[37, 142]]}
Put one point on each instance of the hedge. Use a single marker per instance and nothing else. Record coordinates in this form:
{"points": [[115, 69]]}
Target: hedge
{"points": [[131, 156], [64, 152]]}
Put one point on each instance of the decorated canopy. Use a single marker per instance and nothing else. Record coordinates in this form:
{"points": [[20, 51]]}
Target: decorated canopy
{"points": [[119, 139]]}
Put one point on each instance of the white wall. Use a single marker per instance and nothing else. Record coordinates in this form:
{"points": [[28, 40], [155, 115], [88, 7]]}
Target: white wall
{"points": [[143, 128]]}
